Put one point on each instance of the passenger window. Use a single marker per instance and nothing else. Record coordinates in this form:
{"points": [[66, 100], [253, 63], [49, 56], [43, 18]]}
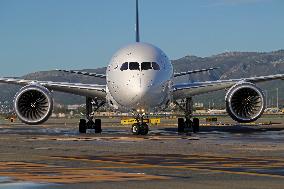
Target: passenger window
{"points": [[146, 66], [134, 66], [124, 66], [155, 66]]}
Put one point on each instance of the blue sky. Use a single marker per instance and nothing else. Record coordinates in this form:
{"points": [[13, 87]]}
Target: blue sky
{"points": [[76, 34]]}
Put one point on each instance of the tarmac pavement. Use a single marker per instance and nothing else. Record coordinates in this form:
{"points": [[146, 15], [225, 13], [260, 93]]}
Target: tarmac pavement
{"points": [[55, 155]]}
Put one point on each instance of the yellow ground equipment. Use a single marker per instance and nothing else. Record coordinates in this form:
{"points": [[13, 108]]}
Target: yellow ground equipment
{"points": [[154, 121], [211, 119]]}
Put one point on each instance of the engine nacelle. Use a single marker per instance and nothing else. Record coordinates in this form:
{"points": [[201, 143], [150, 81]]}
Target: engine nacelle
{"points": [[245, 102], [33, 104]]}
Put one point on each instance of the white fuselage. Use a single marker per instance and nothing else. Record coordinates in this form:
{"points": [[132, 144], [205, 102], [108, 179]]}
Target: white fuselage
{"points": [[139, 76]]}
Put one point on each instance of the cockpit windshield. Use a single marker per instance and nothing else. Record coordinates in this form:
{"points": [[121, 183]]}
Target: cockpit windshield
{"points": [[134, 66], [124, 66], [155, 66], [146, 66]]}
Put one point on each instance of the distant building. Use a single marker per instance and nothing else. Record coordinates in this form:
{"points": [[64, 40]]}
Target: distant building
{"points": [[198, 105], [105, 114], [215, 111], [73, 107], [58, 106], [61, 115], [200, 112], [272, 110], [53, 115]]}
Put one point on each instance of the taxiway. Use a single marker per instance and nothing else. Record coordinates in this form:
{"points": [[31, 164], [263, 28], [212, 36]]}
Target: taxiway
{"points": [[55, 155]]}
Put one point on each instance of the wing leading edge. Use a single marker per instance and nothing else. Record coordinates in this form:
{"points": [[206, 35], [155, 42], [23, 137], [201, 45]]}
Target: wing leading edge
{"points": [[90, 90], [184, 90], [193, 72], [103, 76]]}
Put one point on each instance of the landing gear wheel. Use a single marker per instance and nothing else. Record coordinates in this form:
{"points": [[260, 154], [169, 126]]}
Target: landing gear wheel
{"points": [[90, 124], [181, 125], [195, 125], [144, 129], [98, 126], [188, 126], [82, 126], [135, 129]]}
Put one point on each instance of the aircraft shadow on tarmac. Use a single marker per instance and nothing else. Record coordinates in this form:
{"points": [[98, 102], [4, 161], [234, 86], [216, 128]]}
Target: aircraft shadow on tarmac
{"points": [[234, 129]]}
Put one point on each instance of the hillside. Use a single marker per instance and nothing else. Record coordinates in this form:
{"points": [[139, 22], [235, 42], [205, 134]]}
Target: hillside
{"points": [[235, 65], [231, 64]]}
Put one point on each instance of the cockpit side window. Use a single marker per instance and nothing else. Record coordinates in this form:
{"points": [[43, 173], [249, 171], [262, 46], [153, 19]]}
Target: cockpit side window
{"points": [[134, 66], [155, 66], [146, 66], [124, 66]]}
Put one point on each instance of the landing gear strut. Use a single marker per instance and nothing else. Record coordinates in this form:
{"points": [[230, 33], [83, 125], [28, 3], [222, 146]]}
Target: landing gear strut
{"points": [[89, 123], [140, 128], [187, 123]]}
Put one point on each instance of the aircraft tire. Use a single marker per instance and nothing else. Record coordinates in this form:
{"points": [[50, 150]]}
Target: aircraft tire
{"points": [[181, 125], [195, 125], [82, 126], [144, 129], [135, 129], [90, 125], [98, 125]]}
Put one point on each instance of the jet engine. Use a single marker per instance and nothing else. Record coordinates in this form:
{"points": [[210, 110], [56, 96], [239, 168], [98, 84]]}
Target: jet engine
{"points": [[33, 104], [245, 102]]}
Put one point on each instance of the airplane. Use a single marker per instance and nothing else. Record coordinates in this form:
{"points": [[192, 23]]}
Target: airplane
{"points": [[139, 78]]}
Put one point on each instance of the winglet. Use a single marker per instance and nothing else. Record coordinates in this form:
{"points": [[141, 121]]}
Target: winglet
{"points": [[137, 22]]}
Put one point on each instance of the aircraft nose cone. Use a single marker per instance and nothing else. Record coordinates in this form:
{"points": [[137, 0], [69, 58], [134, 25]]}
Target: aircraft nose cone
{"points": [[137, 95], [140, 92], [148, 96]]}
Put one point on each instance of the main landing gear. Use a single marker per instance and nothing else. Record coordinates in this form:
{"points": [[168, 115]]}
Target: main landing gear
{"points": [[140, 128], [89, 123], [187, 124]]}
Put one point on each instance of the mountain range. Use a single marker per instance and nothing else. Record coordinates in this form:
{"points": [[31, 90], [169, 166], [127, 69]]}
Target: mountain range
{"points": [[231, 65]]}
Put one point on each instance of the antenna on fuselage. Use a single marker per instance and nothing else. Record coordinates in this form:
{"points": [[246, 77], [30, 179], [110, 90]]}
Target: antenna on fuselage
{"points": [[137, 23]]}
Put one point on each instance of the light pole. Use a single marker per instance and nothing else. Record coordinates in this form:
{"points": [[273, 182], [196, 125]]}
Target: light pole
{"points": [[266, 97], [277, 98]]}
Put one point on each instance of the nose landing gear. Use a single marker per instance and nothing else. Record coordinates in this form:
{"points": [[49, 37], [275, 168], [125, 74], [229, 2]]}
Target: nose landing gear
{"points": [[140, 128], [90, 124]]}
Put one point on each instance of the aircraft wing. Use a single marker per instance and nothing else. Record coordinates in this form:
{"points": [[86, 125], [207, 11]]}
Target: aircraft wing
{"points": [[193, 72], [103, 76], [90, 90], [185, 90]]}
